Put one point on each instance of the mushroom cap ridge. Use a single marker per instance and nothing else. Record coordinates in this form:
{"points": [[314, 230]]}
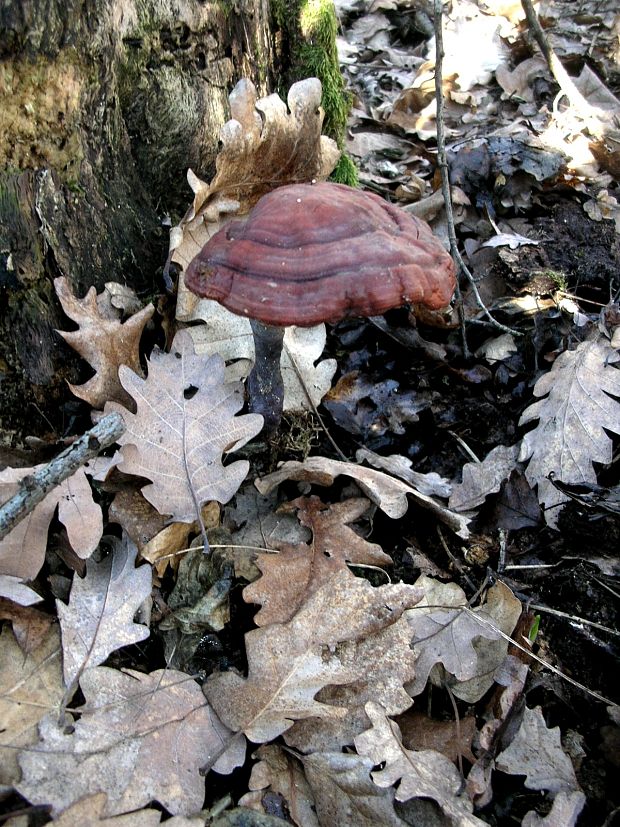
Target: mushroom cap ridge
{"points": [[311, 253]]}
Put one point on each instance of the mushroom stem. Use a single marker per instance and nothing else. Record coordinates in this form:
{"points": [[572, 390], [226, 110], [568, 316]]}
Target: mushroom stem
{"points": [[265, 388]]}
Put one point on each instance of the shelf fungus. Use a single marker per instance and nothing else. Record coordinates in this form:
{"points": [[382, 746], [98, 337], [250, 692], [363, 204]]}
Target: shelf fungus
{"points": [[312, 253]]}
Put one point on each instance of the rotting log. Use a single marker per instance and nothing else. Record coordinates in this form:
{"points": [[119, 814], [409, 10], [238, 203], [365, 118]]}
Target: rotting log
{"points": [[105, 104]]}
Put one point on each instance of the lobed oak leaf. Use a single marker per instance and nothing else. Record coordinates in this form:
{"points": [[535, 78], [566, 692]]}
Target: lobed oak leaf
{"points": [[577, 409], [418, 773], [261, 133], [104, 342], [99, 617], [22, 551], [138, 738], [185, 422], [387, 492], [536, 752], [483, 478], [288, 663], [290, 577], [30, 687]]}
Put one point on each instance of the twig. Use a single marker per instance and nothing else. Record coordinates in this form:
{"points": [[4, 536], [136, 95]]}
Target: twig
{"points": [[442, 163], [574, 619], [34, 487]]}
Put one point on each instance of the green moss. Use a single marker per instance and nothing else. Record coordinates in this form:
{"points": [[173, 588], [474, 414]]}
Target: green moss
{"points": [[310, 28]]}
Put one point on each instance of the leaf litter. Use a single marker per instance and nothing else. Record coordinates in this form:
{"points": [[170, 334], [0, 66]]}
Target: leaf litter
{"points": [[334, 653]]}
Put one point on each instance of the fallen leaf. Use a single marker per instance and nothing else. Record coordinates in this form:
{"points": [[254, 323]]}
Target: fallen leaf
{"points": [[498, 348], [387, 492], [483, 478], [289, 663], [30, 626], [564, 813], [290, 577], [104, 342], [22, 551], [344, 793], [139, 738], [430, 484], [450, 738], [467, 643], [577, 409], [185, 421], [279, 773], [99, 617], [418, 773], [536, 752], [305, 383], [30, 687], [261, 133], [13, 588], [90, 812]]}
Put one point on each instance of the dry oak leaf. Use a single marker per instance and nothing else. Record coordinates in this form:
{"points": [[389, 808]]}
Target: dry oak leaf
{"points": [[468, 644], [483, 478], [90, 812], [99, 617], [536, 752], [139, 738], [418, 773], [185, 422], [30, 687], [306, 380], [388, 493], [290, 577], [564, 813], [578, 407], [344, 793], [264, 145], [14, 589], [22, 551], [280, 773], [104, 342], [289, 663], [30, 626]]}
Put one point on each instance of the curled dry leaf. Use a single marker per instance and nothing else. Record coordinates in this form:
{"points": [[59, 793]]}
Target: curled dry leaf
{"points": [[580, 404], [289, 663], [261, 133], [418, 773], [138, 738], [104, 342], [388, 493], [99, 617], [536, 752], [185, 422], [30, 687], [483, 478], [290, 577], [22, 551]]}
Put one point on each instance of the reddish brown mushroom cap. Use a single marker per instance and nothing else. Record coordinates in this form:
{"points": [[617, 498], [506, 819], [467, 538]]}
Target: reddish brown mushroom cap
{"points": [[311, 253]]}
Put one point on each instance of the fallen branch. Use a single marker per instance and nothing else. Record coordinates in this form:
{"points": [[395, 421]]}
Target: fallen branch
{"points": [[34, 487]]}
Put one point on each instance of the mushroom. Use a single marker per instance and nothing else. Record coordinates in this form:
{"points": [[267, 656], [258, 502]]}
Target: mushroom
{"points": [[311, 253]]}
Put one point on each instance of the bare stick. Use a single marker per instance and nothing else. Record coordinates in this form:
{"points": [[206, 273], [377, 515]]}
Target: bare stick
{"points": [[34, 487], [442, 163]]}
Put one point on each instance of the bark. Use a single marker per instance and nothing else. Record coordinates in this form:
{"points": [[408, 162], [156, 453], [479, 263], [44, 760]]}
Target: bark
{"points": [[105, 104]]}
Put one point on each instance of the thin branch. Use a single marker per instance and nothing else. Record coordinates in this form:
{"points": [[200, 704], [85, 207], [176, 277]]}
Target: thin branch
{"points": [[34, 487]]}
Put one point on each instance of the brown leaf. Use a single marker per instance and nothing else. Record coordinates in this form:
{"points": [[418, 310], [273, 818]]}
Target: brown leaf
{"points": [[185, 422], [30, 626], [104, 342], [15, 590], [421, 732], [344, 794], [90, 812], [30, 687], [139, 738], [279, 773], [289, 663], [419, 773], [289, 578], [99, 617], [483, 478], [22, 551], [388, 493], [264, 146]]}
